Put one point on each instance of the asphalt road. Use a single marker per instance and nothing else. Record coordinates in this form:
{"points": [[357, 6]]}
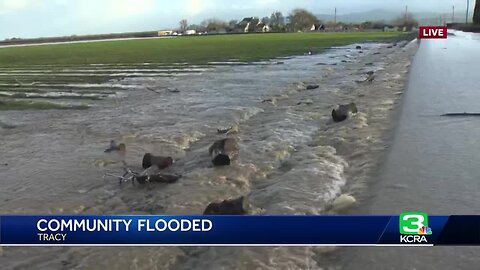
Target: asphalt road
{"points": [[434, 163]]}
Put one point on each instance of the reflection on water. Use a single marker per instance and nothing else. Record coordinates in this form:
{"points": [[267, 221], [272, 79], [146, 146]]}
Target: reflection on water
{"points": [[293, 159]]}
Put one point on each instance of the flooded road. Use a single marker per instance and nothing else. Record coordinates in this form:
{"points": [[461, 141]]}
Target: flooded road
{"points": [[434, 162], [293, 159]]}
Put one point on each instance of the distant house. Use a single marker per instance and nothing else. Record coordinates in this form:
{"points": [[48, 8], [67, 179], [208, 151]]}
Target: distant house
{"points": [[190, 32], [247, 25], [390, 28], [165, 33], [262, 27], [317, 27], [266, 28]]}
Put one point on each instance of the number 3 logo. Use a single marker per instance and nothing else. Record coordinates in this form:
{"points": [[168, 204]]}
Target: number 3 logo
{"points": [[412, 222]]}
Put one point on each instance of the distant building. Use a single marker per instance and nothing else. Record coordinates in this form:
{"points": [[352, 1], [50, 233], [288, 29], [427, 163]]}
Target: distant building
{"points": [[266, 28], [317, 27], [248, 25], [390, 28], [165, 33], [244, 24], [262, 27], [190, 32]]}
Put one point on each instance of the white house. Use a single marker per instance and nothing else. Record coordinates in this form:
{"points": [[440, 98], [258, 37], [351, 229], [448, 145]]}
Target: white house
{"points": [[190, 32], [165, 33]]}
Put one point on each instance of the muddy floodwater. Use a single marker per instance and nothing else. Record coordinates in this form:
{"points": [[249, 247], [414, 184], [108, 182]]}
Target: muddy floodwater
{"points": [[293, 159]]}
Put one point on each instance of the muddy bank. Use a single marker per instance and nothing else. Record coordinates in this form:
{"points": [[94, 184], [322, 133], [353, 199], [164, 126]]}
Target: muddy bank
{"points": [[293, 159]]}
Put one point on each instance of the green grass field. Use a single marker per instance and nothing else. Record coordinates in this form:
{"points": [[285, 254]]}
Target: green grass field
{"points": [[18, 61], [195, 50]]}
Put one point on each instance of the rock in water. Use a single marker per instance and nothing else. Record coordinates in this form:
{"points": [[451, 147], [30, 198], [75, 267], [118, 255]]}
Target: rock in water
{"points": [[343, 202], [6, 125], [221, 160], [227, 207], [223, 151], [358, 47], [114, 147], [223, 130], [312, 86], [228, 130], [341, 112], [162, 162]]}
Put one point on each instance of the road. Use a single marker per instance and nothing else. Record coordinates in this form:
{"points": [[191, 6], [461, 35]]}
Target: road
{"points": [[434, 161]]}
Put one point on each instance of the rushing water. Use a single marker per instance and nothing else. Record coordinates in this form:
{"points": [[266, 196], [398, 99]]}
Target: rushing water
{"points": [[293, 159]]}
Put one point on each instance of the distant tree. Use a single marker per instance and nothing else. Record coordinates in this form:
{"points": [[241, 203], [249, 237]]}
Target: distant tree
{"points": [[214, 24], [408, 21], [198, 28], [183, 25], [265, 20], [277, 21], [372, 25], [378, 24], [301, 20], [232, 23], [476, 13]]}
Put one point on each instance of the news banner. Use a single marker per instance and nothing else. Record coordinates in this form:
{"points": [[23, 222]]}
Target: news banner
{"points": [[406, 229]]}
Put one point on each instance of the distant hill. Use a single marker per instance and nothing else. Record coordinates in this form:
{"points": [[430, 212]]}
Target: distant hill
{"points": [[390, 15]]}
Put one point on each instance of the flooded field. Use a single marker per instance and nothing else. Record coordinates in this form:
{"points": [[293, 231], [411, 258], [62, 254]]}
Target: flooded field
{"points": [[293, 159]]}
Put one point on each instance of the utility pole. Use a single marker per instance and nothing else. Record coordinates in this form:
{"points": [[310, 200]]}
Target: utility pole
{"points": [[468, 6], [453, 14], [335, 21], [406, 14]]}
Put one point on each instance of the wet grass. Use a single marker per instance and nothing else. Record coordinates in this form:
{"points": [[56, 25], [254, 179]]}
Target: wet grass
{"points": [[12, 104], [194, 50], [15, 81], [43, 96]]}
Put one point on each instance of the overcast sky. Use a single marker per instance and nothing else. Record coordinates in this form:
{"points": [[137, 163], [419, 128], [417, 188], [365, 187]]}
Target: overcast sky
{"points": [[37, 18]]}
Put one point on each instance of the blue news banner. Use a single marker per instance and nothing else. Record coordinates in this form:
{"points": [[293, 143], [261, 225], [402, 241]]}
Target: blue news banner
{"points": [[413, 228]]}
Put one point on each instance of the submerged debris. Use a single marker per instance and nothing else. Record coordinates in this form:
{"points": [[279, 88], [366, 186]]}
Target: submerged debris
{"points": [[343, 202], [306, 102], [150, 160], [461, 114], [237, 206], [312, 86], [114, 147], [270, 100], [6, 125], [150, 175], [171, 90], [228, 130], [341, 112], [223, 151], [370, 77]]}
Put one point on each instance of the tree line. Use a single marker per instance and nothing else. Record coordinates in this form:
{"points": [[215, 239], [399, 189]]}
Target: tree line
{"points": [[298, 20]]}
